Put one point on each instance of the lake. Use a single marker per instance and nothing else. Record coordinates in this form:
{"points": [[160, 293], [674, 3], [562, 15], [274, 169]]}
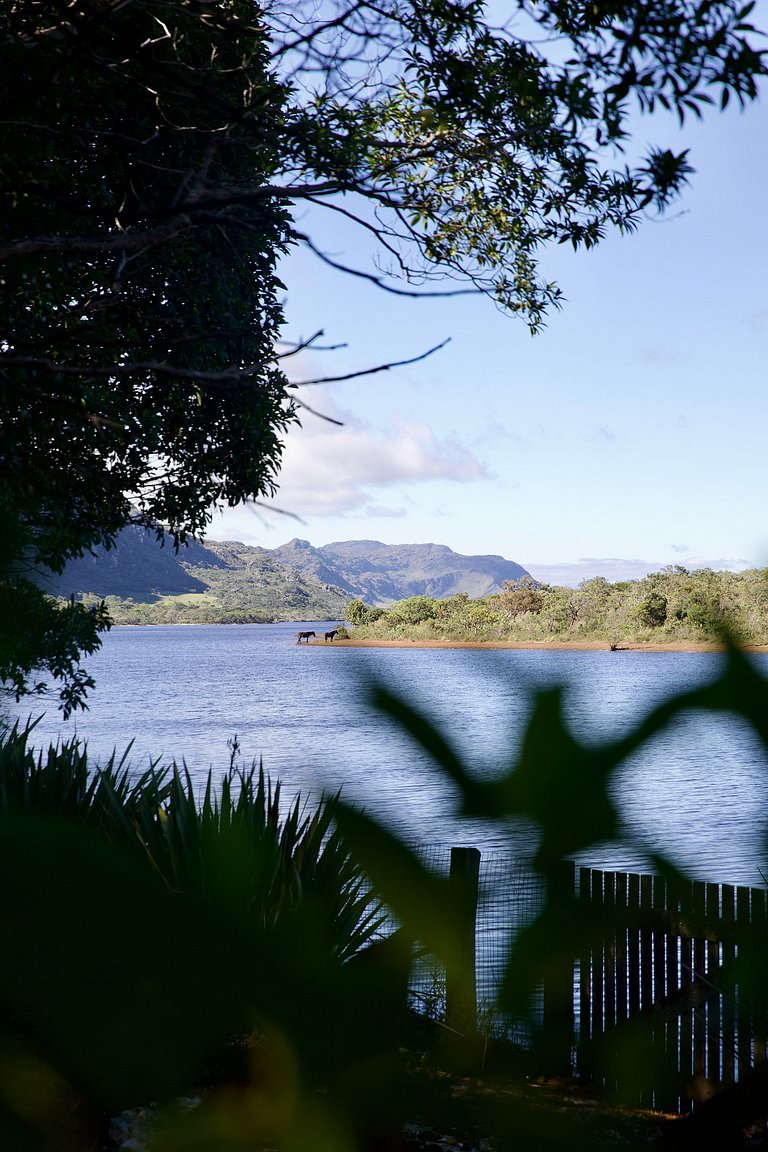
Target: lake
{"points": [[700, 789]]}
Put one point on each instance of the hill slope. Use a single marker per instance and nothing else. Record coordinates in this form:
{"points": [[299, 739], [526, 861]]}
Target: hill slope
{"points": [[214, 581]]}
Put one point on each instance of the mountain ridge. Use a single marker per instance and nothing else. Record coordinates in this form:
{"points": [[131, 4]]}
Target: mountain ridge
{"points": [[293, 581]]}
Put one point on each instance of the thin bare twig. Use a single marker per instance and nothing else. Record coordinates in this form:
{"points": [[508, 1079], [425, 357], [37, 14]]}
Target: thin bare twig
{"points": [[381, 281], [369, 371]]}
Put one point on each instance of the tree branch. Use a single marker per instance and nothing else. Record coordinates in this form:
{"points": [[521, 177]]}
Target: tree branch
{"points": [[369, 371], [380, 281]]}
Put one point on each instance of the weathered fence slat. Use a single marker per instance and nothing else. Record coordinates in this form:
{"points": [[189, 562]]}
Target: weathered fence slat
{"points": [[584, 977], [699, 907], [461, 979], [598, 970], [714, 1014], [633, 944], [672, 1034], [559, 1021], [728, 956], [760, 1008], [609, 952], [743, 1006], [622, 970]]}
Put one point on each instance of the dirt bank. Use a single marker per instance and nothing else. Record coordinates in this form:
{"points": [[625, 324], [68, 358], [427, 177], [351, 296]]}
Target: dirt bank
{"points": [[538, 645]]}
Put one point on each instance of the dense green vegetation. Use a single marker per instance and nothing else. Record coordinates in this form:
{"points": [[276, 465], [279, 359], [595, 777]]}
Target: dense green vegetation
{"points": [[667, 606], [157, 939], [257, 600]]}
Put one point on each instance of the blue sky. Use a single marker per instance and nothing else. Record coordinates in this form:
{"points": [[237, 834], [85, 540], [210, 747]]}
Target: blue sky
{"points": [[629, 434]]}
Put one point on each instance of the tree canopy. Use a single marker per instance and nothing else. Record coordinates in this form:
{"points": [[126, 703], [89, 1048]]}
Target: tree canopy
{"points": [[152, 151], [464, 146]]}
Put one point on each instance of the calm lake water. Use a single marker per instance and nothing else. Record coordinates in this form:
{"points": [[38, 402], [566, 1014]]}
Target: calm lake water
{"points": [[700, 790]]}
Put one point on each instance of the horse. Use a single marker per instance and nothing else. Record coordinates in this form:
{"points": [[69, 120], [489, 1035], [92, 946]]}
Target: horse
{"points": [[303, 636], [330, 635]]}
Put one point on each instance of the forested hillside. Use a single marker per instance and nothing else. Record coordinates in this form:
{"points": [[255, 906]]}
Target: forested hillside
{"points": [[671, 605], [144, 583], [229, 582]]}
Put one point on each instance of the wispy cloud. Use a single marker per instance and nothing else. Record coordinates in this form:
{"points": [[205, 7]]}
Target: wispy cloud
{"points": [[330, 470], [383, 512]]}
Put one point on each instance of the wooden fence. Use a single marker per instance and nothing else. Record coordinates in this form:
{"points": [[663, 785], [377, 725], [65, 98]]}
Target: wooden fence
{"points": [[664, 985], [666, 1000]]}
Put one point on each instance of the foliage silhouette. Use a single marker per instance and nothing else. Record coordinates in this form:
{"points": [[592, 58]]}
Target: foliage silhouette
{"points": [[563, 785]]}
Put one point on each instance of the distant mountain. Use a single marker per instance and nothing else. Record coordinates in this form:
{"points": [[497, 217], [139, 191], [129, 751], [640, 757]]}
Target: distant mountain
{"points": [[229, 580], [382, 573], [137, 568]]}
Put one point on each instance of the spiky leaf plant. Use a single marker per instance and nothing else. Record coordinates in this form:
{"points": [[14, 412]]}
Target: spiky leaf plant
{"points": [[240, 846], [59, 780]]}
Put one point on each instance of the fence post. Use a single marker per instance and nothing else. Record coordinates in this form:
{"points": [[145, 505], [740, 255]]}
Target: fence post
{"points": [[461, 977], [555, 1047]]}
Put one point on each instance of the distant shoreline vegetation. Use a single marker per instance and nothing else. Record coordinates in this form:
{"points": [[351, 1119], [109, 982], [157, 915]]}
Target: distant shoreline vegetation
{"points": [[670, 606], [193, 608]]}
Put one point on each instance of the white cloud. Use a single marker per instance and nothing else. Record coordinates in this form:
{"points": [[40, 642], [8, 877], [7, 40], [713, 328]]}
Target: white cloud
{"points": [[329, 470]]}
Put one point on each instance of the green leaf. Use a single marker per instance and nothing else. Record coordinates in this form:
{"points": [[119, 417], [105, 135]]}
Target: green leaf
{"points": [[420, 899]]}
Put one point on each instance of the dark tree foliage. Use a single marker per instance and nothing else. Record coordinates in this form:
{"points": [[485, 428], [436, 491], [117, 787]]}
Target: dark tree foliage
{"points": [[150, 154], [464, 147], [139, 308], [139, 304]]}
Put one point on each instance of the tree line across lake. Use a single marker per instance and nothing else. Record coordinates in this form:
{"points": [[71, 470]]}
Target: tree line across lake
{"points": [[666, 606]]}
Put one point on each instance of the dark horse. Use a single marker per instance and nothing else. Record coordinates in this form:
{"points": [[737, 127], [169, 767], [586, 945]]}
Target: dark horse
{"points": [[303, 636], [330, 635]]}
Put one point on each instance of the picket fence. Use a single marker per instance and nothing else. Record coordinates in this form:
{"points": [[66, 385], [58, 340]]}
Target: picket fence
{"points": [[678, 963], [663, 999]]}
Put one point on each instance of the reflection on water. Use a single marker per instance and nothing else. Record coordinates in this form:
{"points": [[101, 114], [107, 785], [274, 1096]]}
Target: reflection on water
{"points": [[698, 791]]}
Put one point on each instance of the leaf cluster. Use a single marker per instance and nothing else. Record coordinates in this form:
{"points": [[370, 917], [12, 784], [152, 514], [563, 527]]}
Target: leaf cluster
{"points": [[463, 147], [140, 303]]}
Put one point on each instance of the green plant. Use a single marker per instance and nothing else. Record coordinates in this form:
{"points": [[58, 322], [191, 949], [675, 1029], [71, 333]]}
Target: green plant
{"points": [[154, 942], [652, 611], [60, 781], [242, 847]]}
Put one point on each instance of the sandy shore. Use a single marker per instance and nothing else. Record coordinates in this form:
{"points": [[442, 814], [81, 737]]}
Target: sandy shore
{"points": [[539, 645]]}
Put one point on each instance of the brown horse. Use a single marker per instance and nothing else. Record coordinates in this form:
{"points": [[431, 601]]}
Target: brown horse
{"points": [[303, 636], [330, 635]]}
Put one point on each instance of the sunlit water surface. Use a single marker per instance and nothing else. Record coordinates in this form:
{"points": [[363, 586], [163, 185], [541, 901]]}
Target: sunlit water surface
{"points": [[699, 791]]}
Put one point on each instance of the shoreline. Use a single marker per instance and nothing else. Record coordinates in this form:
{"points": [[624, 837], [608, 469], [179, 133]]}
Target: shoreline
{"points": [[543, 645]]}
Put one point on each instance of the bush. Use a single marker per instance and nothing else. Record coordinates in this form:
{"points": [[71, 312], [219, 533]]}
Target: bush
{"points": [[652, 611]]}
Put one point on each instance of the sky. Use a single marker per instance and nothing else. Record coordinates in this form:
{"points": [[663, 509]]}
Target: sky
{"points": [[630, 434]]}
